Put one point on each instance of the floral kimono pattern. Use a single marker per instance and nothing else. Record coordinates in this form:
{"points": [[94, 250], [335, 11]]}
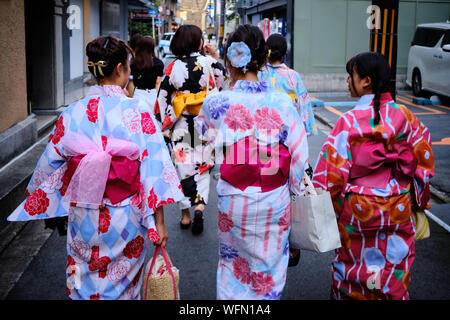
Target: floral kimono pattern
{"points": [[374, 217], [254, 225], [106, 244], [192, 157], [284, 79]]}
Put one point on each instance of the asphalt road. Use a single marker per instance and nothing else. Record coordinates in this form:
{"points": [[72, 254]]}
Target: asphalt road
{"points": [[197, 257]]}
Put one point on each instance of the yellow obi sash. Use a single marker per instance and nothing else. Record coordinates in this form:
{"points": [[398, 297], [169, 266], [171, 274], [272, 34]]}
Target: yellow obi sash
{"points": [[190, 102], [292, 95]]}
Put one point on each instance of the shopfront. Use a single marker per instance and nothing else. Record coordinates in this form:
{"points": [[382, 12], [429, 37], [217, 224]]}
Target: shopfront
{"points": [[271, 17]]}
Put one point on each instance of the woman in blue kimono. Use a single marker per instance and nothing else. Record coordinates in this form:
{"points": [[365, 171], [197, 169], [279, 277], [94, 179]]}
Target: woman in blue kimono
{"points": [[106, 167]]}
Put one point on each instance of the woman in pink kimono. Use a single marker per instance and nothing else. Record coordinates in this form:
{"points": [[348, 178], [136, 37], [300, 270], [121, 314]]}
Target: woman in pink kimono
{"points": [[376, 163], [106, 167], [265, 154]]}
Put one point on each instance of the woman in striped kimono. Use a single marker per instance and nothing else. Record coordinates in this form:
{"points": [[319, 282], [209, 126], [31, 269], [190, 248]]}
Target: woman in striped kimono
{"points": [[265, 153], [376, 163]]}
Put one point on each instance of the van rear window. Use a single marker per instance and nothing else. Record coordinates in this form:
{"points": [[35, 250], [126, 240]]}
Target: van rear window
{"points": [[427, 37]]}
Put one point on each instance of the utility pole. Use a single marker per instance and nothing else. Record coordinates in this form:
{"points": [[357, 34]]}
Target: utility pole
{"points": [[383, 25], [216, 29], [222, 22]]}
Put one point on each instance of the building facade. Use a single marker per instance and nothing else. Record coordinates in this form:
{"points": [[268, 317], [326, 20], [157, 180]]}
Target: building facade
{"points": [[324, 34], [43, 60]]}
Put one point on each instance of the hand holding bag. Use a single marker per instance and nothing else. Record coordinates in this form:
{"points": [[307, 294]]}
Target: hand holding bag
{"points": [[313, 221], [161, 278]]}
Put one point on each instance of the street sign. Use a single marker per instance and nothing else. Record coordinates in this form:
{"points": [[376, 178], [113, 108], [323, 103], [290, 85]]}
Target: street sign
{"points": [[153, 13], [159, 22]]}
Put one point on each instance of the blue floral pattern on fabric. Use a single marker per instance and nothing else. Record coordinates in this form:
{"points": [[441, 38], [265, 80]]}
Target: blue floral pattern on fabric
{"points": [[218, 106], [228, 252]]}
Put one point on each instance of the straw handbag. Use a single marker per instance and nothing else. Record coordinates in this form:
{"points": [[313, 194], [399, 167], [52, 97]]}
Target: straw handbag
{"points": [[161, 278]]}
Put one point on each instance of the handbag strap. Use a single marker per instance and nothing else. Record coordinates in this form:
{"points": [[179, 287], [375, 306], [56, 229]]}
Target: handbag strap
{"points": [[310, 190], [211, 74], [168, 263]]}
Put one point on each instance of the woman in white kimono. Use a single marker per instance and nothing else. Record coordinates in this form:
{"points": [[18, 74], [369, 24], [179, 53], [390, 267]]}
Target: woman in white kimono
{"points": [[266, 152]]}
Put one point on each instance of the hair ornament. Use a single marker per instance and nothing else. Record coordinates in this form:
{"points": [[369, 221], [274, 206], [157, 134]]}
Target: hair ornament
{"points": [[239, 55], [97, 65], [106, 43], [268, 55]]}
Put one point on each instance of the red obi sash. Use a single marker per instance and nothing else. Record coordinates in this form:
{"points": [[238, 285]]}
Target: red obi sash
{"points": [[252, 170], [123, 178], [374, 165]]}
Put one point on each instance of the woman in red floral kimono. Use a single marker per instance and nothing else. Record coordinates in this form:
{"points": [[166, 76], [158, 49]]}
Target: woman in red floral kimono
{"points": [[376, 163]]}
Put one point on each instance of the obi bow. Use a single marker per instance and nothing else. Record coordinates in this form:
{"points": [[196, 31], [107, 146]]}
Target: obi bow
{"points": [[251, 169], [112, 170], [374, 165]]}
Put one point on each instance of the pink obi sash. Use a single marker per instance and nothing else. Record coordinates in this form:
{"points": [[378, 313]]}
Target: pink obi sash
{"points": [[374, 166], [123, 177], [245, 166], [95, 172]]}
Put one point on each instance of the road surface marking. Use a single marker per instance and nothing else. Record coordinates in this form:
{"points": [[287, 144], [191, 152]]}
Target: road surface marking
{"points": [[419, 106], [331, 109]]}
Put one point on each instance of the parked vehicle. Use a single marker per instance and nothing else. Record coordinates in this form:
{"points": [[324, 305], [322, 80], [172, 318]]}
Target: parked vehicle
{"points": [[164, 44], [429, 59]]}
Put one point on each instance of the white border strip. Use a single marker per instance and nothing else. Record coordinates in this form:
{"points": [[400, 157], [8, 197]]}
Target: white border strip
{"points": [[437, 220]]}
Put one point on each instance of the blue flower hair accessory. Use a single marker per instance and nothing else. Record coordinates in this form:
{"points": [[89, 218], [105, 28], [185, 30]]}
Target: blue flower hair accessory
{"points": [[239, 55]]}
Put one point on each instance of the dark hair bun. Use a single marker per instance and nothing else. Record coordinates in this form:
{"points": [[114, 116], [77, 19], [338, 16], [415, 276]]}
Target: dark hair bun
{"points": [[277, 45], [254, 39], [104, 54]]}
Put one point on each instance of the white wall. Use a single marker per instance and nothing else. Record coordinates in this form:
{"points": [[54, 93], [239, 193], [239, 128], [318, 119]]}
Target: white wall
{"points": [[95, 19], [77, 46]]}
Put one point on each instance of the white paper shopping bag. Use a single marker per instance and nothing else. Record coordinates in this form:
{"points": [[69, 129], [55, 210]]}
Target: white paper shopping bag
{"points": [[313, 222]]}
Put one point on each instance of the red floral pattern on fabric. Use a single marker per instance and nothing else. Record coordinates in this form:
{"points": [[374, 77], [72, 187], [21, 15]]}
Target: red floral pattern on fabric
{"points": [[238, 117], [241, 270], [134, 248], [144, 154], [165, 202], [180, 155], [152, 235], [104, 142], [37, 203], [94, 297], [65, 182], [92, 110], [104, 220], [268, 119], [225, 223], [118, 269], [169, 68], [98, 263], [138, 275], [147, 124], [59, 130], [152, 200], [167, 122], [261, 284]]}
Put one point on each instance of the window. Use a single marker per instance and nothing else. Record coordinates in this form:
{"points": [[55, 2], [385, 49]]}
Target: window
{"points": [[427, 37], [446, 38]]}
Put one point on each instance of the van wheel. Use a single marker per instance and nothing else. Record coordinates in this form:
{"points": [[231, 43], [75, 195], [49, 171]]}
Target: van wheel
{"points": [[416, 83]]}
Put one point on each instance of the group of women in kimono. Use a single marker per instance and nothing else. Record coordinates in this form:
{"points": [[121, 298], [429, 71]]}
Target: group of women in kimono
{"points": [[112, 162]]}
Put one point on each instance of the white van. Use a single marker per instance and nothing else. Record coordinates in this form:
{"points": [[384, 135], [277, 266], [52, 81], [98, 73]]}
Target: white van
{"points": [[429, 59], [164, 44]]}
